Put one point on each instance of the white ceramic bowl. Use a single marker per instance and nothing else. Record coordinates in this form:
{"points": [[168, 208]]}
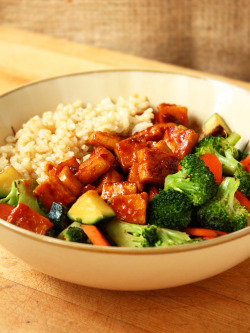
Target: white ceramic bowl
{"points": [[124, 268]]}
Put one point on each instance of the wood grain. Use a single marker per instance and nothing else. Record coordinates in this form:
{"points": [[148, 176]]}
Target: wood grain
{"points": [[27, 56], [33, 302]]}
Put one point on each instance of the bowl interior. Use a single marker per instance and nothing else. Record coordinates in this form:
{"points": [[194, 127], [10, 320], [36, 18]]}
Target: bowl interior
{"points": [[202, 96]]}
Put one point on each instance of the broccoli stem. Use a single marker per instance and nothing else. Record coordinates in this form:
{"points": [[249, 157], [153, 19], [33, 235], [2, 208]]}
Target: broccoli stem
{"points": [[227, 190], [180, 184], [228, 162], [233, 138]]}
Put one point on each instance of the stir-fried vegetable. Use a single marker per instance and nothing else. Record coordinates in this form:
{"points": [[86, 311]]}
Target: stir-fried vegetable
{"points": [[162, 186]]}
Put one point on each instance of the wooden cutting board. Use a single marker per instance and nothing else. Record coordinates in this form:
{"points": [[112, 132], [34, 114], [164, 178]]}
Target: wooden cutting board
{"points": [[33, 302]]}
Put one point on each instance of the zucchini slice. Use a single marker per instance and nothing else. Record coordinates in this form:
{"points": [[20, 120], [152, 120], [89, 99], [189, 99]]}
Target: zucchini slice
{"points": [[6, 178], [215, 125], [90, 208]]}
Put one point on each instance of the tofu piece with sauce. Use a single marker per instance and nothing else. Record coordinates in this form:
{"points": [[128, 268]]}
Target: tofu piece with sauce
{"points": [[180, 140], [172, 113], [126, 150], [119, 188], [133, 176], [131, 208], [53, 190], [111, 176], [155, 165], [103, 139], [99, 162]]}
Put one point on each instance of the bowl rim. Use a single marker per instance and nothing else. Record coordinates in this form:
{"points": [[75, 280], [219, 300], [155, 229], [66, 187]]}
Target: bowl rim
{"points": [[125, 250], [124, 70]]}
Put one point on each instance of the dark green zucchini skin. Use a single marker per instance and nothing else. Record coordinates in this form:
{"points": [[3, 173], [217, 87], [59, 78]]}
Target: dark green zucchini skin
{"points": [[58, 216]]}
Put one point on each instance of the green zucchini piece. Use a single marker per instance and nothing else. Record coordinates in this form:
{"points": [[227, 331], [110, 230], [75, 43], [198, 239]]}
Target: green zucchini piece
{"points": [[58, 216], [215, 125], [73, 233], [6, 178], [90, 208]]}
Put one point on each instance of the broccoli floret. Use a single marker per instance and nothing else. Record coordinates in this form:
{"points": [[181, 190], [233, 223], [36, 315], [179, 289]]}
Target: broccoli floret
{"points": [[170, 209], [228, 155], [168, 237], [136, 235], [129, 234], [194, 179], [12, 197], [244, 178], [22, 191], [75, 234], [222, 212]]}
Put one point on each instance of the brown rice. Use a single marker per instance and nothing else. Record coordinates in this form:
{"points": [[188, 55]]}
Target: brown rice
{"points": [[58, 135]]}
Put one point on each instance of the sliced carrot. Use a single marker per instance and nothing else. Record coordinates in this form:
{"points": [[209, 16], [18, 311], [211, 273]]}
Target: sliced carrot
{"points": [[94, 235], [246, 162], [242, 199], [214, 165], [179, 167], [5, 210], [203, 232]]}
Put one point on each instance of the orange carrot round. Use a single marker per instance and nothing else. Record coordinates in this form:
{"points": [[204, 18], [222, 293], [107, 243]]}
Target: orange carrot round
{"points": [[214, 165]]}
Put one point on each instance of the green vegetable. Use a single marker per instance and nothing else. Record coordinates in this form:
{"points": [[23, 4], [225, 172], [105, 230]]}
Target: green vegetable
{"points": [[135, 235], [6, 178], [223, 212], [215, 123], [22, 191], [58, 216], [90, 208], [228, 155], [194, 179], [170, 209], [73, 233]]}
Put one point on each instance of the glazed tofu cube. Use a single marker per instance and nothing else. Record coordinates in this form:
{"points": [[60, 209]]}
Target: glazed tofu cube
{"points": [[152, 190], [99, 162], [162, 145], [131, 208], [87, 188], [70, 181], [53, 190], [103, 139], [72, 163], [126, 151], [110, 190], [155, 165], [172, 113], [181, 141], [152, 133], [133, 176], [112, 176]]}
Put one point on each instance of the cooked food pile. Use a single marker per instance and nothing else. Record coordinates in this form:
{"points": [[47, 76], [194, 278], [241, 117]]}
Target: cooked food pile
{"points": [[164, 185]]}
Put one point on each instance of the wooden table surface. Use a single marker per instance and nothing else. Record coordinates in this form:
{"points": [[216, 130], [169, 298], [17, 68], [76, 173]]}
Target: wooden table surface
{"points": [[33, 302]]}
